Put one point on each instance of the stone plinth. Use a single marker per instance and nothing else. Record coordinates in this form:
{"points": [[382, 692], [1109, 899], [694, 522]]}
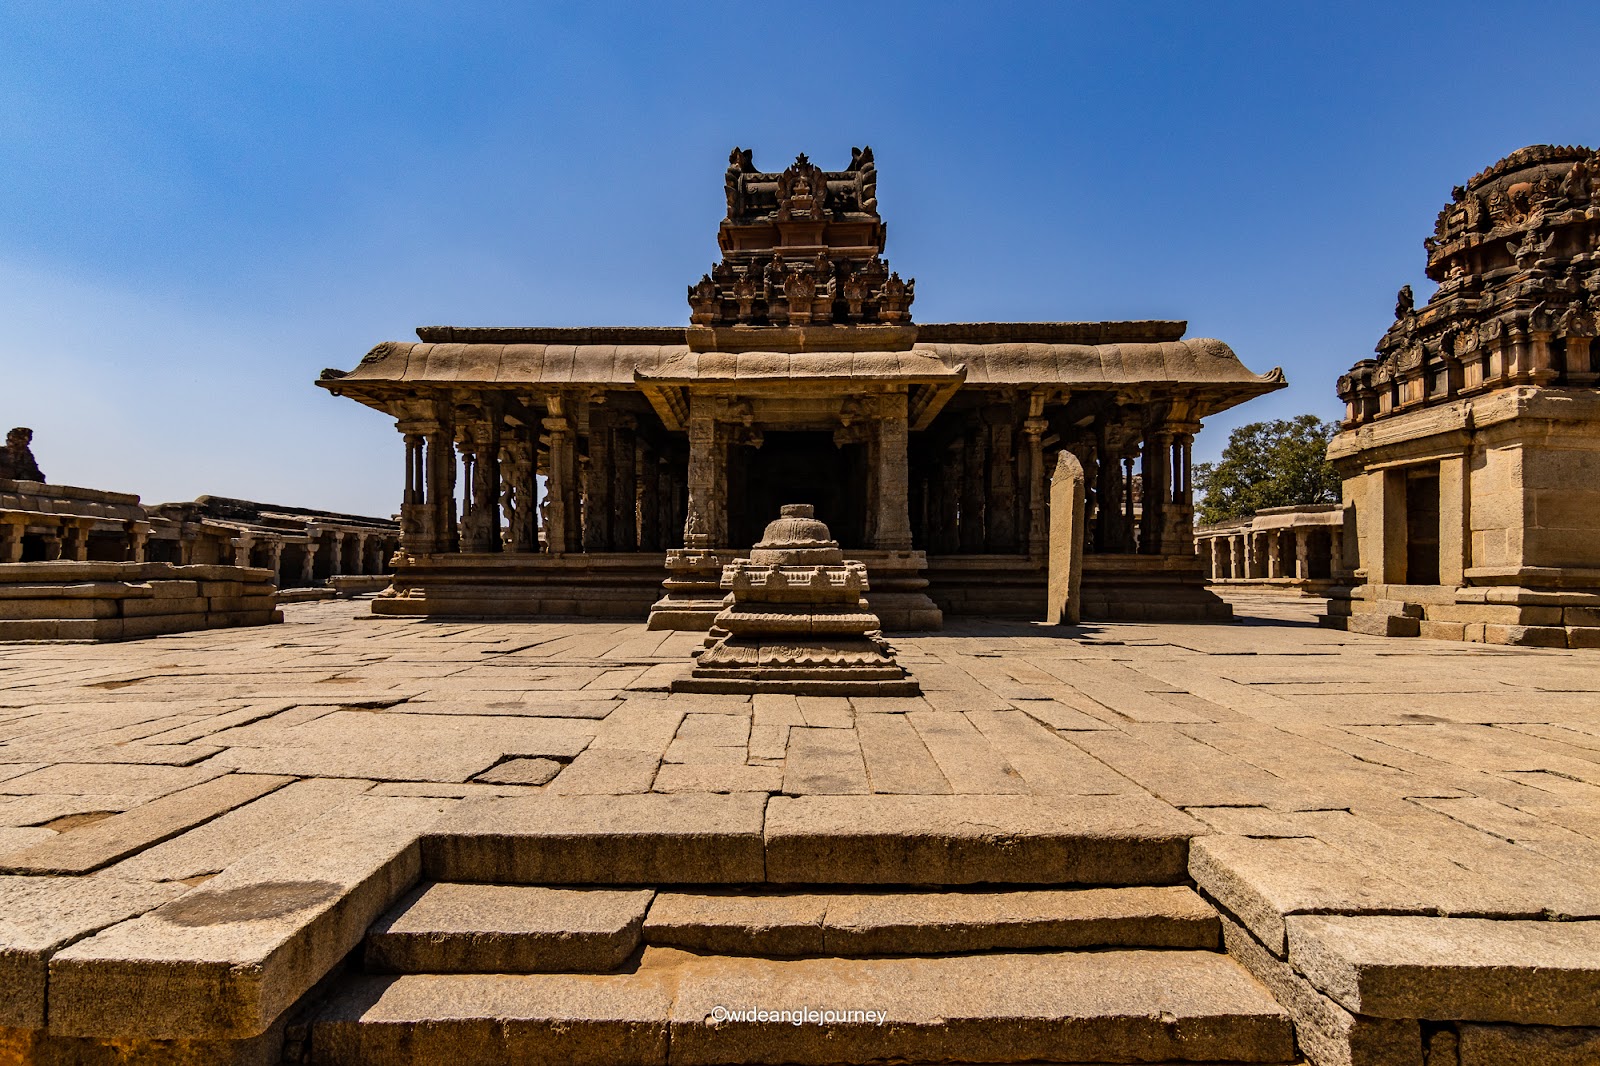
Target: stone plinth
{"points": [[120, 601], [795, 621], [692, 593]]}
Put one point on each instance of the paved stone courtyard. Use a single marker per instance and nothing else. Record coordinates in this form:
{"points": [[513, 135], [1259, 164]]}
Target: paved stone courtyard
{"points": [[1469, 775], [1327, 773]]}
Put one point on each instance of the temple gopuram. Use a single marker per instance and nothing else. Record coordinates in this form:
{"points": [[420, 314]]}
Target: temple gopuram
{"points": [[614, 471], [1470, 447]]}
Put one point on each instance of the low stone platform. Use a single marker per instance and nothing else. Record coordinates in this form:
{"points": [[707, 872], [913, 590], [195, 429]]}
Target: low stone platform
{"points": [[84, 601], [206, 839]]}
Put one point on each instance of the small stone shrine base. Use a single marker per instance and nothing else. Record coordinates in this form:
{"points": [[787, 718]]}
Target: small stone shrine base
{"points": [[72, 601], [795, 621]]}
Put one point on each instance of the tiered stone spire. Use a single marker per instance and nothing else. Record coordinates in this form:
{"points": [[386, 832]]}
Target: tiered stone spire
{"points": [[801, 248], [1519, 290]]}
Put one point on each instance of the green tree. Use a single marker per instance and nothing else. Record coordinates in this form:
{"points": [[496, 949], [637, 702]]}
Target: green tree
{"points": [[1281, 463]]}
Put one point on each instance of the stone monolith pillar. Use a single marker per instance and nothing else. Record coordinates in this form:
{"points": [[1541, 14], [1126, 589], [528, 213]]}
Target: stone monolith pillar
{"points": [[1064, 600]]}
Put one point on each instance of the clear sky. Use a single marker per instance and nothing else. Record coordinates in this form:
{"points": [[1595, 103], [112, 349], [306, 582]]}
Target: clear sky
{"points": [[206, 203]]}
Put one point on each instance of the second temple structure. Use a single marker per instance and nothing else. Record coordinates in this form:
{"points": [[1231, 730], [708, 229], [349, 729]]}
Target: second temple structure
{"points": [[569, 471]]}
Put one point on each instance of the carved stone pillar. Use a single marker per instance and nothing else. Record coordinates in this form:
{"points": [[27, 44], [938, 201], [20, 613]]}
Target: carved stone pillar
{"points": [[1302, 553], [945, 536], [275, 559], [561, 533], [416, 516], [700, 523], [972, 488], [624, 485], [11, 530], [138, 541], [1335, 551], [1000, 532], [1155, 487], [649, 499], [1129, 517], [1038, 525], [480, 456], [597, 482], [242, 543], [75, 540], [441, 488], [1180, 515], [519, 491], [308, 561], [893, 526], [1274, 554], [361, 554]]}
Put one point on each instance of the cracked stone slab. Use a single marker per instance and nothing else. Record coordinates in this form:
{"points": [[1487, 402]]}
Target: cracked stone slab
{"points": [[225, 960], [44, 914]]}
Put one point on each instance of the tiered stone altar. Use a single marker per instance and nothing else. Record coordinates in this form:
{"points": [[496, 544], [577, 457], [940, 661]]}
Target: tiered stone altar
{"points": [[795, 621]]}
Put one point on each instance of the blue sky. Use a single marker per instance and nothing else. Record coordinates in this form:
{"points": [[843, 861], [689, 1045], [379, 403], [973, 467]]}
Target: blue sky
{"points": [[207, 203]]}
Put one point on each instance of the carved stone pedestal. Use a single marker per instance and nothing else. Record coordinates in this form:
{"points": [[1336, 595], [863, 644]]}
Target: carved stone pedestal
{"points": [[692, 593], [796, 622]]}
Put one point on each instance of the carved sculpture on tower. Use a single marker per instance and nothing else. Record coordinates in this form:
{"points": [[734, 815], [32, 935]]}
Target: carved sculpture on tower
{"points": [[802, 247]]}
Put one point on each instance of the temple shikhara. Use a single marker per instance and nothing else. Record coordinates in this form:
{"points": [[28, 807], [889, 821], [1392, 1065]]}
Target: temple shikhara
{"points": [[801, 379], [1469, 451]]}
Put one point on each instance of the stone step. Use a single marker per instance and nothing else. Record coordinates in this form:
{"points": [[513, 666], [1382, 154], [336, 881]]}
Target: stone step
{"points": [[745, 838], [930, 923], [1081, 1007], [466, 928], [475, 928]]}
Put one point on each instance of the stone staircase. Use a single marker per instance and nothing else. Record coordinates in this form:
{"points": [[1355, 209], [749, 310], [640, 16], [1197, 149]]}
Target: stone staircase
{"points": [[635, 969]]}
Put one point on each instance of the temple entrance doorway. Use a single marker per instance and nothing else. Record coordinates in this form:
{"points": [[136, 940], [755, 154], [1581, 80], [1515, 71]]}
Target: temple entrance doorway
{"points": [[1422, 525], [797, 467]]}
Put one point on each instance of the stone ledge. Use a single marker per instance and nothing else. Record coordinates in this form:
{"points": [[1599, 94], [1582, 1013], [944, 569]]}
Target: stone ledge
{"points": [[1475, 969]]}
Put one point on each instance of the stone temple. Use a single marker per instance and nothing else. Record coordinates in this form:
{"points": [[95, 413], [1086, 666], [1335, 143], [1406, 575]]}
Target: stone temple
{"points": [[801, 378], [1469, 449]]}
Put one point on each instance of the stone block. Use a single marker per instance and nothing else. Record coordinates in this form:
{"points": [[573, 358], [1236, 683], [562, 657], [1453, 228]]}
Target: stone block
{"points": [[1526, 1045], [1328, 1034], [1583, 637], [43, 608], [1261, 881], [496, 1018], [466, 928], [1051, 1007], [1430, 630], [225, 960], [1383, 625], [1526, 636], [43, 914], [1570, 616], [1473, 969], [930, 923], [175, 590], [632, 839], [738, 923], [881, 839], [164, 605]]}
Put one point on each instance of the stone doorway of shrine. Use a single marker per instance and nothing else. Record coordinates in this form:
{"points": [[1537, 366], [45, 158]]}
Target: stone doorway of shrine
{"points": [[797, 467]]}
